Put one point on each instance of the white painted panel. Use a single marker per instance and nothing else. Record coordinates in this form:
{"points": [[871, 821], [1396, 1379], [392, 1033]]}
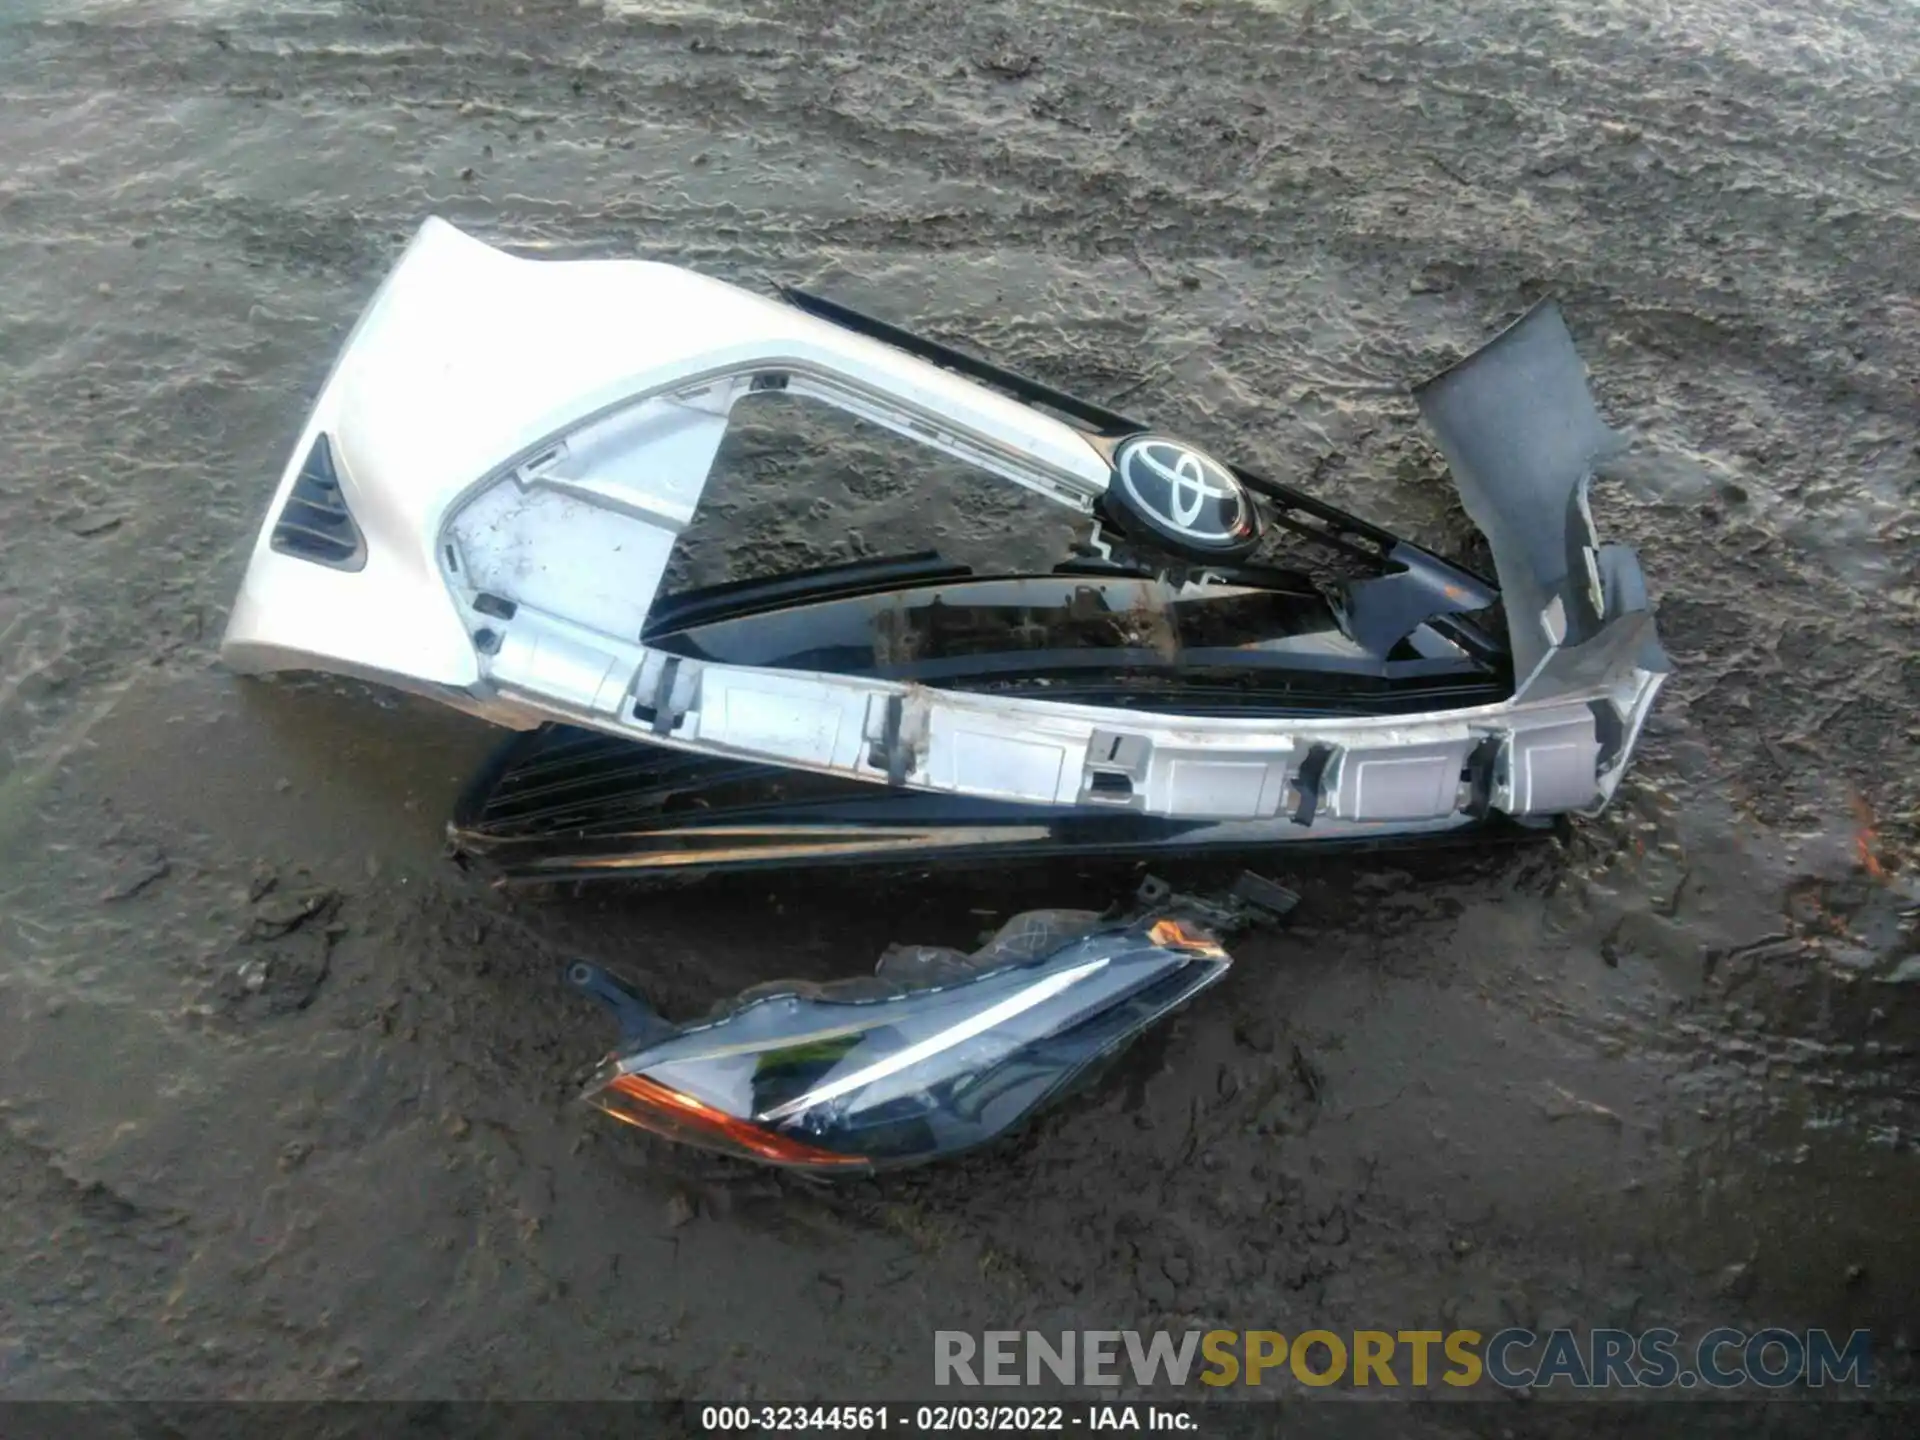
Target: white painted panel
{"points": [[1214, 789], [991, 764], [781, 717], [564, 556], [1377, 786]]}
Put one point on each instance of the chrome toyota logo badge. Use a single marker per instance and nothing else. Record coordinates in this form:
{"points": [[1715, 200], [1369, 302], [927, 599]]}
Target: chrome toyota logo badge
{"points": [[1184, 495]]}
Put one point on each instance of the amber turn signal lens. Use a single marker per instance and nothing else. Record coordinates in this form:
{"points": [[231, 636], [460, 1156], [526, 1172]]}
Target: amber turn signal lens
{"points": [[1172, 935], [668, 1113]]}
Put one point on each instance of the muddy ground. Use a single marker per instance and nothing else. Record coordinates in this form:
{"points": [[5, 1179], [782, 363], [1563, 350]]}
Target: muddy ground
{"points": [[285, 1099]]}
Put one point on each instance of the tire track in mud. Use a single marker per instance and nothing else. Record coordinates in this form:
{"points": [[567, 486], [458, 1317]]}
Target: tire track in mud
{"points": [[71, 1242]]}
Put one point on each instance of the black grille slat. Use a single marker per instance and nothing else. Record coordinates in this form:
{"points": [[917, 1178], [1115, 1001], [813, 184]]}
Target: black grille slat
{"points": [[315, 523], [312, 517], [306, 537]]}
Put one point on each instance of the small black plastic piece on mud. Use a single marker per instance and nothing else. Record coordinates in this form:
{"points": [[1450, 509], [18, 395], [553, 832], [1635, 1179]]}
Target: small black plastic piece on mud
{"points": [[1253, 900], [1153, 893], [640, 1023], [1264, 894], [1312, 770]]}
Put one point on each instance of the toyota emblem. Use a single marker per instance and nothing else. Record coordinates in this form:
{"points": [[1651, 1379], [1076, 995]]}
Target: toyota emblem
{"points": [[1184, 497]]}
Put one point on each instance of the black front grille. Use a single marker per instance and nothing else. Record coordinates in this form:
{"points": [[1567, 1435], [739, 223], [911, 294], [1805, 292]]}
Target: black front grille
{"points": [[315, 523]]}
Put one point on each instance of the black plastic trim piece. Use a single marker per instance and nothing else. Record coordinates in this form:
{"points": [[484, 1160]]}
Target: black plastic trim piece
{"points": [[896, 752], [1480, 774], [1313, 770], [739, 598], [314, 524], [664, 718], [1021, 387], [565, 804], [1306, 515]]}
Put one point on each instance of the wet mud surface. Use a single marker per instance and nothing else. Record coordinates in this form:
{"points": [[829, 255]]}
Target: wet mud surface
{"points": [[285, 1098]]}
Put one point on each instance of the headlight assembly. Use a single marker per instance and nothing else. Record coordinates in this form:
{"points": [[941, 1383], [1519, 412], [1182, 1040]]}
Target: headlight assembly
{"points": [[936, 1053]]}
